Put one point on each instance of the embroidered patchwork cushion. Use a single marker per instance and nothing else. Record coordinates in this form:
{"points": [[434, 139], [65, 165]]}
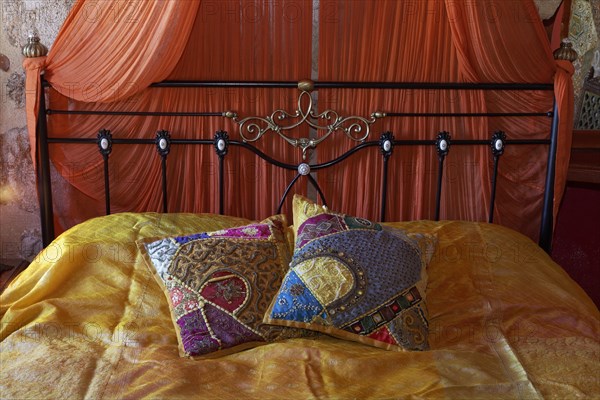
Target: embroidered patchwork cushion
{"points": [[354, 279], [220, 284]]}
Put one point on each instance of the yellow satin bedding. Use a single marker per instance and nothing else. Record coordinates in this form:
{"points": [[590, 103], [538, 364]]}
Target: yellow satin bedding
{"points": [[87, 320]]}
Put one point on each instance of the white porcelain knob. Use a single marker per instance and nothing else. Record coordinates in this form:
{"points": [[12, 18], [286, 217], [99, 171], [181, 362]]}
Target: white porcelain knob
{"points": [[499, 145], [104, 143], [443, 145], [162, 143], [387, 145], [221, 144]]}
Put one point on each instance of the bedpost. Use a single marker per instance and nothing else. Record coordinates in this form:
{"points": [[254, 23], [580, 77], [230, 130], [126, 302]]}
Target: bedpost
{"points": [[43, 171], [548, 208]]}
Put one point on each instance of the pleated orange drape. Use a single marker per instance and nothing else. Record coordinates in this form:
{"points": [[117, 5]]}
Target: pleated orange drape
{"points": [[250, 41], [516, 50], [107, 53], [437, 41], [233, 40]]}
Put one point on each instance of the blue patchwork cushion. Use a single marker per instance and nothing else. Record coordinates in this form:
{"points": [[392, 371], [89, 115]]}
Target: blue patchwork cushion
{"points": [[354, 279]]}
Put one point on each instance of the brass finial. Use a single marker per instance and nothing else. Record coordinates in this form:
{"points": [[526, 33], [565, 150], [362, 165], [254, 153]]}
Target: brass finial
{"points": [[306, 85], [34, 48], [565, 51]]}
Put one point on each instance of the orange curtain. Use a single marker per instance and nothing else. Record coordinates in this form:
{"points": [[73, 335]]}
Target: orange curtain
{"points": [[107, 54], [506, 41], [233, 40], [437, 41], [108, 51], [245, 40], [409, 43]]}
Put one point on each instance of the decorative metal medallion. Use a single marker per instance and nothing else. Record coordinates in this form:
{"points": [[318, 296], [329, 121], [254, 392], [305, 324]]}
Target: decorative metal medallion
{"points": [[221, 143], [498, 143], [163, 142], [304, 169], [104, 141], [354, 127], [386, 144], [442, 143]]}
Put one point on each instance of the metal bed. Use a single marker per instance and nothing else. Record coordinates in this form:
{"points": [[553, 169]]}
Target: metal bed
{"points": [[252, 128]]}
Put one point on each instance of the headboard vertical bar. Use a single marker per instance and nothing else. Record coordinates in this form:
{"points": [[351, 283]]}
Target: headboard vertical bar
{"points": [[438, 195], [44, 181], [106, 185], [386, 145], [104, 141], [221, 185], [384, 189], [221, 143], [497, 146], [493, 194], [163, 147], [443, 147], [546, 226], [164, 184]]}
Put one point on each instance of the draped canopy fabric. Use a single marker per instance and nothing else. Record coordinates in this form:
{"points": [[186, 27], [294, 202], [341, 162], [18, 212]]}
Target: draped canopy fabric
{"points": [[107, 54]]}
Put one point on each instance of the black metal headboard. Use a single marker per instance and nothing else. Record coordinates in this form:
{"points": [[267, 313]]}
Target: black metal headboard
{"points": [[357, 128]]}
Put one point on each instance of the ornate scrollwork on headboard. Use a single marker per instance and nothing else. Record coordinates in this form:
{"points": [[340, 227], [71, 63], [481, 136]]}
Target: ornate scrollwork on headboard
{"points": [[354, 127]]}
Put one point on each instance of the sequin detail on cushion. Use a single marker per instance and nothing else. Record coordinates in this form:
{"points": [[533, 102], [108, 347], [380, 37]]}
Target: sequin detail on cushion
{"points": [[318, 226], [296, 302], [195, 335], [361, 223], [185, 239], [383, 335], [227, 290], [368, 323]]}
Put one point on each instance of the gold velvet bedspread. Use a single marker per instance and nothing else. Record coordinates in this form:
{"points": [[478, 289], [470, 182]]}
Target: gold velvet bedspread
{"points": [[87, 320]]}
